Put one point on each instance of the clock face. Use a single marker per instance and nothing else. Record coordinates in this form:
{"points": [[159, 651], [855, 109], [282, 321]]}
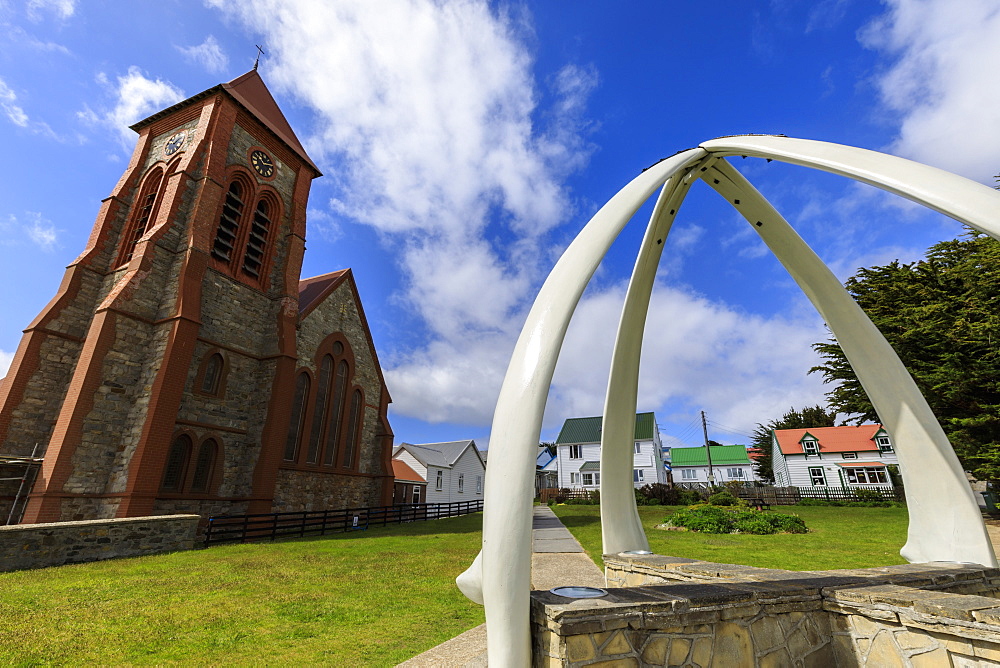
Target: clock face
{"points": [[175, 143], [262, 163]]}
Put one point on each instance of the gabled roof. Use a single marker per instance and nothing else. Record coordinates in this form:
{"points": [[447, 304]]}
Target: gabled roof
{"points": [[588, 429], [249, 92], [313, 291], [442, 455], [722, 455], [831, 439], [402, 472]]}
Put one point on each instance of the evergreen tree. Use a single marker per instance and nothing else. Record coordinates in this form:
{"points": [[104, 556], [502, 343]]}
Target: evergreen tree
{"points": [[942, 317], [816, 416]]}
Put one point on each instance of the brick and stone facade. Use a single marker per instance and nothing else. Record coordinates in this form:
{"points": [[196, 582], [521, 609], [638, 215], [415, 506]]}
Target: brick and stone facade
{"points": [[160, 378]]}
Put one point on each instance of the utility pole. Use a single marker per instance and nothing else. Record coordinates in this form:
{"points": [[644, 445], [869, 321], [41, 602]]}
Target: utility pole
{"points": [[708, 451]]}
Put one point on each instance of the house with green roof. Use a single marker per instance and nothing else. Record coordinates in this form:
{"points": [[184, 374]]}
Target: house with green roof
{"points": [[578, 453], [729, 463]]}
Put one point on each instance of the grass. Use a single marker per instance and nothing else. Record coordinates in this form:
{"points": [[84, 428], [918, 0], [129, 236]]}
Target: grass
{"points": [[839, 537], [374, 598]]}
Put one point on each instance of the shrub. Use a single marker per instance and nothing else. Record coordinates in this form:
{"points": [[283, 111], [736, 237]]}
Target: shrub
{"points": [[723, 498], [716, 519]]}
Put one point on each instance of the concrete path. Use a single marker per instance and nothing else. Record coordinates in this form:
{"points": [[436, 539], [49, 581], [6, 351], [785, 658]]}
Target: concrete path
{"points": [[556, 560]]}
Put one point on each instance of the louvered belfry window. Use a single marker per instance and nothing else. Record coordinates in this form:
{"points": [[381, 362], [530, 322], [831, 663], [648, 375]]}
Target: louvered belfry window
{"points": [[177, 460], [204, 466], [146, 202], [229, 224], [253, 257]]}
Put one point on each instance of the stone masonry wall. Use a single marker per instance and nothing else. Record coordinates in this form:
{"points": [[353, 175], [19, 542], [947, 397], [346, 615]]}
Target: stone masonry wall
{"points": [[40, 545], [314, 490], [913, 615]]}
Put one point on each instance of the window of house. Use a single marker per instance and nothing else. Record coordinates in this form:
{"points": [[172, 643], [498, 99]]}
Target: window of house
{"points": [[810, 446], [320, 409], [574, 478], [212, 378], [850, 455], [461, 483], [253, 255], [734, 473], [867, 476], [638, 475], [203, 467], [689, 474], [294, 437], [146, 207], [479, 484], [638, 448], [884, 444], [588, 479], [817, 477], [439, 482], [416, 494], [576, 452], [229, 223], [177, 461]]}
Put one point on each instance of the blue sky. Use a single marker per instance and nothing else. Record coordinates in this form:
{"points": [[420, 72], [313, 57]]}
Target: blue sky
{"points": [[465, 143]]}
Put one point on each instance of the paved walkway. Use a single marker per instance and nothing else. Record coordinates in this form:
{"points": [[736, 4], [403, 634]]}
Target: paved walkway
{"points": [[556, 560]]}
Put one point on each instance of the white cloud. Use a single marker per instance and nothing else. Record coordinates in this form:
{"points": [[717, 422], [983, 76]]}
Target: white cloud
{"points": [[41, 231], [8, 104], [33, 226], [62, 9], [5, 359], [135, 97], [940, 83], [208, 54]]}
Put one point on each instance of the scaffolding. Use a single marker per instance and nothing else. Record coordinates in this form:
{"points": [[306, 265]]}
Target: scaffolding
{"points": [[29, 466]]}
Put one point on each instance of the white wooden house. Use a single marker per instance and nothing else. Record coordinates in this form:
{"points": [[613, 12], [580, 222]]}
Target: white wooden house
{"points": [[729, 463], [824, 457], [454, 471], [578, 453]]}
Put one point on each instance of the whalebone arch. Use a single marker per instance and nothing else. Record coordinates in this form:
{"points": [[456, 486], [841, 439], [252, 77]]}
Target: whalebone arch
{"points": [[500, 575]]}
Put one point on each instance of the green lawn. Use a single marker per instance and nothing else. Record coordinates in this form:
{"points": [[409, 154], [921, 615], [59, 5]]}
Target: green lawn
{"points": [[839, 537], [374, 599]]}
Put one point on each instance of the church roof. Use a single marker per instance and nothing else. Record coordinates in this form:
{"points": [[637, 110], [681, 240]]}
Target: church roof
{"points": [[312, 291], [251, 93]]}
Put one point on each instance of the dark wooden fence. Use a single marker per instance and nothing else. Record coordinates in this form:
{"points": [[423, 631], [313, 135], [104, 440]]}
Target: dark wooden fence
{"points": [[563, 495], [787, 496], [271, 526]]}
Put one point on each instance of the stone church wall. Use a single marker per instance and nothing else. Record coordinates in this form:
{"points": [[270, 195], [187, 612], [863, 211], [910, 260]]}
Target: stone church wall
{"points": [[315, 490]]}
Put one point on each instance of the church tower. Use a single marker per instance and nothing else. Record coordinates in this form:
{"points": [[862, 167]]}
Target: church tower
{"points": [[183, 366]]}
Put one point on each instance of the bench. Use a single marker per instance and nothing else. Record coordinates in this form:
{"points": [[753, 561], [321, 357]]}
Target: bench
{"points": [[759, 504]]}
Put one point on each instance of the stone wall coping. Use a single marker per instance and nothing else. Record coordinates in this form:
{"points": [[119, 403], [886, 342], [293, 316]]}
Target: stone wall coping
{"points": [[692, 587], [76, 524]]}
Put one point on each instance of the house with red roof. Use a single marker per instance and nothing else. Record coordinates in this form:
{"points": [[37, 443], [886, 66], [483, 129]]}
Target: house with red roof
{"points": [[844, 457]]}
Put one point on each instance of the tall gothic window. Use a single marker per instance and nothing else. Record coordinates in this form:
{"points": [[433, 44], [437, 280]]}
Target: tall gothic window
{"points": [[294, 437], [336, 413], [204, 466], [353, 430], [177, 461], [229, 223], [253, 256], [145, 207], [320, 409]]}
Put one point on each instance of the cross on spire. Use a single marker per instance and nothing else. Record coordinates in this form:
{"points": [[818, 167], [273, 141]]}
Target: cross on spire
{"points": [[260, 52]]}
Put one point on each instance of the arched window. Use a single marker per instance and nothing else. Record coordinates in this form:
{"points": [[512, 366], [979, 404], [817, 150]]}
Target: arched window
{"points": [[145, 207], [229, 223], [204, 466], [212, 377], [320, 409], [336, 413], [353, 430], [298, 418], [253, 256], [177, 461]]}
